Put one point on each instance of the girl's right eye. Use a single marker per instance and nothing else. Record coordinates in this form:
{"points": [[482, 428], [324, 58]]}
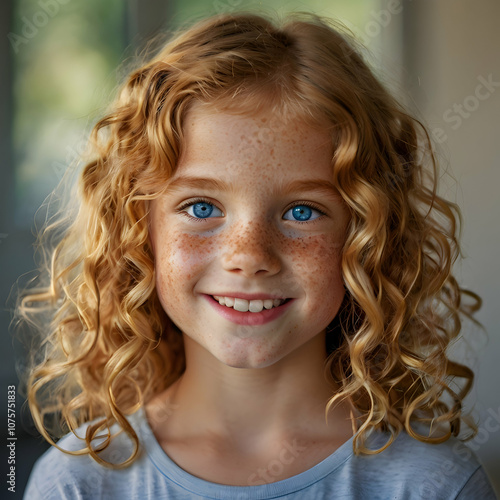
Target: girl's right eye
{"points": [[202, 210]]}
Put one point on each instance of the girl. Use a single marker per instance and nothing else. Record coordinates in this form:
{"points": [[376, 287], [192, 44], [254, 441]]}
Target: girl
{"points": [[255, 297]]}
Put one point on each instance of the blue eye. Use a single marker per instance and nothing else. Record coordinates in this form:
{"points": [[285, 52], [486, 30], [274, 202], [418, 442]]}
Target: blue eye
{"points": [[203, 210], [301, 213]]}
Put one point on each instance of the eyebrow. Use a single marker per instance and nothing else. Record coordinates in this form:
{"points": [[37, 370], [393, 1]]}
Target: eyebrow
{"points": [[313, 185], [210, 184], [206, 183]]}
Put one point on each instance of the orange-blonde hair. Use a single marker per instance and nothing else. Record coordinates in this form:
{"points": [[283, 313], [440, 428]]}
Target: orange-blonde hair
{"points": [[110, 347]]}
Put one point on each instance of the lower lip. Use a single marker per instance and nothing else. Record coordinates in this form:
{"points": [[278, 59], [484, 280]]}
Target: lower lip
{"points": [[249, 318]]}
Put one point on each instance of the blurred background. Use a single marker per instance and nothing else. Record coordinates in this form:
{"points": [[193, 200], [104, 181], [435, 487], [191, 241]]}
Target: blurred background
{"points": [[60, 61]]}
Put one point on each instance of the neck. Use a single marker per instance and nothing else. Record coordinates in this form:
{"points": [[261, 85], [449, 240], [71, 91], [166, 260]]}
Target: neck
{"points": [[252, 407]]}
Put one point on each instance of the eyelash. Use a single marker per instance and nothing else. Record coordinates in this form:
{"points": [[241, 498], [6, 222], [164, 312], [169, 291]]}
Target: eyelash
{"points": [[188, 203], [305, 204]]}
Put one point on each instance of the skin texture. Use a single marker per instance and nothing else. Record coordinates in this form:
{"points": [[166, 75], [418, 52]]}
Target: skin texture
{"points": [[249, 388]]}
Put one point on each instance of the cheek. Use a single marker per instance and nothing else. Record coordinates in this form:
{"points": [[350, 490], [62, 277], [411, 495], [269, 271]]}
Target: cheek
{"points": [[316, 261], [180, 261]]}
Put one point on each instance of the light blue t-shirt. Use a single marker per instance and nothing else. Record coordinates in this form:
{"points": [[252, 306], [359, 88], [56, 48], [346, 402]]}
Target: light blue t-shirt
{"points": [[407, 470]]}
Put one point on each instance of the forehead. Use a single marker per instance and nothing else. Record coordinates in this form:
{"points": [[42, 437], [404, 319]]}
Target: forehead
{"points": [[252, 139]]}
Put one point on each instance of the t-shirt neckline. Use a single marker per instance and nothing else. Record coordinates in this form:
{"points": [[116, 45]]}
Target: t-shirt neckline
{"points": [[167, 467]]}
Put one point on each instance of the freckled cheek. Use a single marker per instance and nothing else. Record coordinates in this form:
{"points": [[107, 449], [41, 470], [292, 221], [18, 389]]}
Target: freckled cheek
{"points": [[180, 262], [316, 262]]}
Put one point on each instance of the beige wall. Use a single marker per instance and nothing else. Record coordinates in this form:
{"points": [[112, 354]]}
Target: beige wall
{"points": [[452, 65]]}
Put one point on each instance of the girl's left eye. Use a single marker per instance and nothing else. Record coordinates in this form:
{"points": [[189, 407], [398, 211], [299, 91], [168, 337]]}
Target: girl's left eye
{"points": [[302, 213], [202, 210]]}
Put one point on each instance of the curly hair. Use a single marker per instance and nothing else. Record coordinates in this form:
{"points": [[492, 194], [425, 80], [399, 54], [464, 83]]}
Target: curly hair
{"points": [[109, 347]]}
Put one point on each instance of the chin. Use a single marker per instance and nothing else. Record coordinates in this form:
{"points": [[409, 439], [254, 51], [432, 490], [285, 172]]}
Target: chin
{"points": [[244, 360]]}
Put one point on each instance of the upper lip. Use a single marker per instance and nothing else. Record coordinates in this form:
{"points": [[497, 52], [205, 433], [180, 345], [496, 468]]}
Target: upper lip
{"points": [[249, 296]]}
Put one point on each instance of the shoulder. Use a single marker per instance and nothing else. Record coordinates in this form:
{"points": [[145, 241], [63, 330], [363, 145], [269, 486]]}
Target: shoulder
{"points": [[57, 474], [447, 470], [427, 455]]}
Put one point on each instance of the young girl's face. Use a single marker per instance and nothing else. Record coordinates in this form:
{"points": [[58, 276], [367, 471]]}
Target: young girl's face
{"points": [[250, 220]]}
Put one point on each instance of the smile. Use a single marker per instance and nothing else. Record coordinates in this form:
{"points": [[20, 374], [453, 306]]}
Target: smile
{"points": [[251, 312], [243, 305]]}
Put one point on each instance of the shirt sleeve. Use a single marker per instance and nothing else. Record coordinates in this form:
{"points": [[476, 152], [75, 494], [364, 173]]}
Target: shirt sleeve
{"points": [[478, 486], [31, 492], [57, 476]]}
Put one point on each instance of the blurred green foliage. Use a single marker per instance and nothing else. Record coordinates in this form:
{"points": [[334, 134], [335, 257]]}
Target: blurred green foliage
{"points": [[65, 55]]}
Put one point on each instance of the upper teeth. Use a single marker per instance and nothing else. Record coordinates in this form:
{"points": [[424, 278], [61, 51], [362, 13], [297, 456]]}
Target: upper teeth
{"points": [[244, 305]]}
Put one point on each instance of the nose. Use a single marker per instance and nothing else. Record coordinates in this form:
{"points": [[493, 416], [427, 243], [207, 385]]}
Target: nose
{"points": [[251, 250]]}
